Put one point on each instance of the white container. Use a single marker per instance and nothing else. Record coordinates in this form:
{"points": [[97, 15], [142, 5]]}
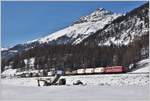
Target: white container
{"points": [[68, 72], [89, 70], [74, 72], [99, 70], [80, 71]]}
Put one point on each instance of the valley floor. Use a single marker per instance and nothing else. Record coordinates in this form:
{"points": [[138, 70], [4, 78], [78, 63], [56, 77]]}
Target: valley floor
{"points": [[74, 93], [129, 87]]}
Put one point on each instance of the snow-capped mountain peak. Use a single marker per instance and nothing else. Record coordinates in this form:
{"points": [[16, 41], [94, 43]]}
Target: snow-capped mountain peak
{"points": [[98, 14], [82, 28]]}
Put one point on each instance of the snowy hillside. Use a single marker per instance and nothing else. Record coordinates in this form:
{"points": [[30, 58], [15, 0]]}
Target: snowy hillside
{"points": [[143, 66], [81, 29], [141, 70], [3, 49], [124, 29], [74, 34]]}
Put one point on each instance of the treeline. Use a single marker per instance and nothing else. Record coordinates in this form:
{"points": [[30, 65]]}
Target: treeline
{"points": [[70, 57]]}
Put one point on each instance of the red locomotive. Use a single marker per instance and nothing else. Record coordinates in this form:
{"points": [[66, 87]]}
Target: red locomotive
{"points": [[115, 69]]}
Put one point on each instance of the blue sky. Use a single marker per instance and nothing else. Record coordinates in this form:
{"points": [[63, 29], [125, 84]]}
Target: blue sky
{"points": [[25, 21]]}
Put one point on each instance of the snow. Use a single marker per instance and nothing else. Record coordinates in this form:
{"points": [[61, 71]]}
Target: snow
{"points": [[98, 87], [111, 79], [9, 72], [127, 34], [141, 79], [143, 65], [98, 14], [26, 72], [3, 49], [19, 81], [145, 69], [13, 51], [74, 93]]}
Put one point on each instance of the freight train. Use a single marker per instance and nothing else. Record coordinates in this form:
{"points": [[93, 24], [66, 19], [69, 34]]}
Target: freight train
{"points": [[98, 70]]}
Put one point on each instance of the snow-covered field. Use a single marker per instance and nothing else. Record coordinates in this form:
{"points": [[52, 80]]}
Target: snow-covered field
{"points": [[141, 79], [98, 87], [111, 79], [74, 93]]}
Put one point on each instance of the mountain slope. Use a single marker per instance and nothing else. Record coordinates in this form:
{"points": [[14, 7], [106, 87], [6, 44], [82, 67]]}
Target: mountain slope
{"points": [[124, 29], [73, 34], [81, 29]]}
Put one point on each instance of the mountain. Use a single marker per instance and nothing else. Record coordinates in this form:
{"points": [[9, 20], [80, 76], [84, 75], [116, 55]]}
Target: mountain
{"points": [[124, 29], [74, 34], [81, 29], [97, 40], [11, 52], [4, 49]]}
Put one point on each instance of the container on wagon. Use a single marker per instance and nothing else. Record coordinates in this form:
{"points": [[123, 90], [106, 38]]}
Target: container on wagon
{"points": [[74, 72], [99, 70], [68, 72], [80, 71], [89, 70]]}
